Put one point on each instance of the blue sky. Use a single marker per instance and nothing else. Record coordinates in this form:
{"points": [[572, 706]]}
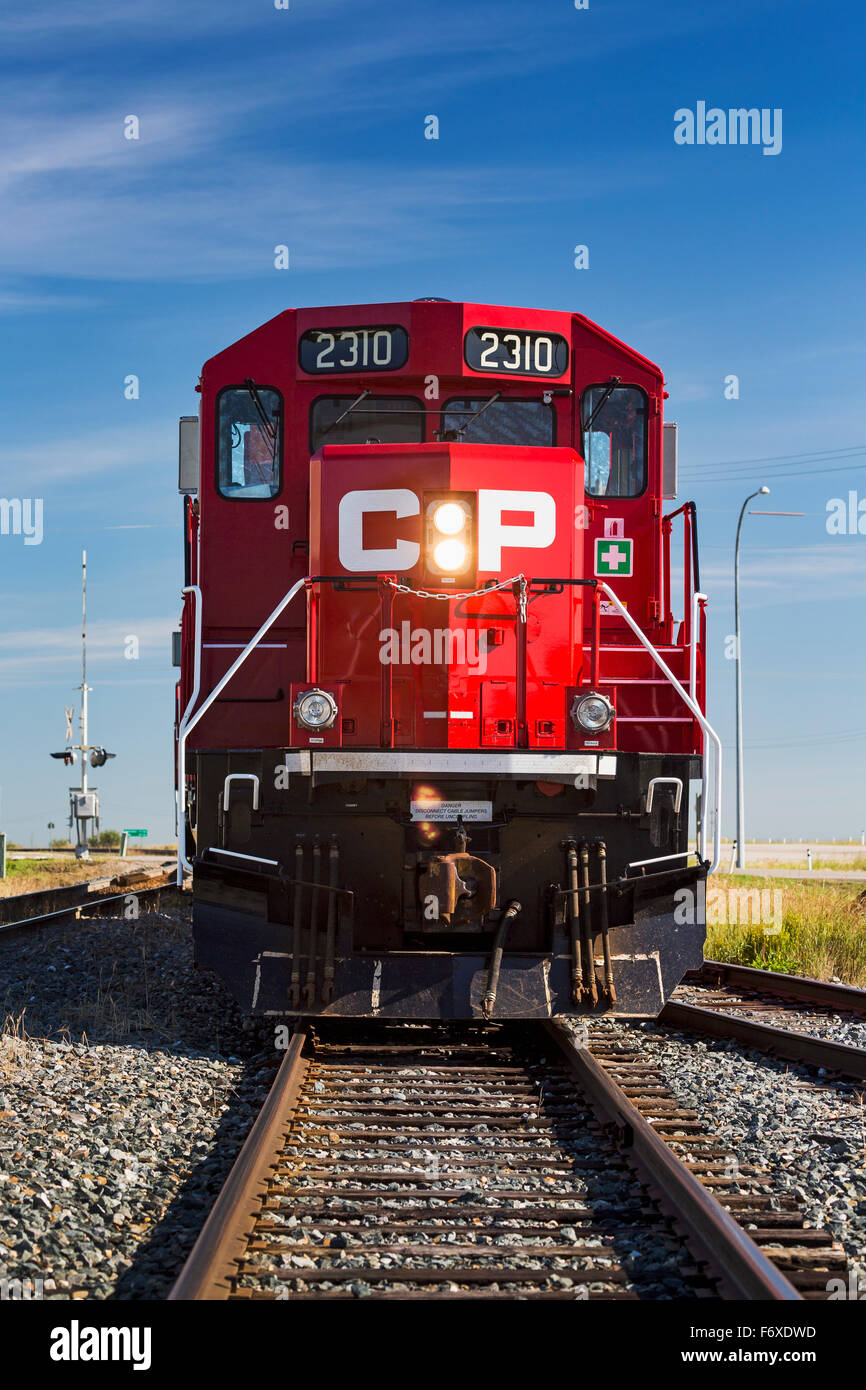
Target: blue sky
{"points": [[305, 127]]}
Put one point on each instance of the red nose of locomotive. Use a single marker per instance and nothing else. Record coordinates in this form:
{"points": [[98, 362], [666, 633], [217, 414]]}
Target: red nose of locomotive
{"points": [[432, 623]]}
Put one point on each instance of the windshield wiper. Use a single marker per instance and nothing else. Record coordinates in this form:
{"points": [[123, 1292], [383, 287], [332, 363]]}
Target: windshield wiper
{"points": [[268, 425], [473, 418], [450, 436], [363, 396], [609, 389]]}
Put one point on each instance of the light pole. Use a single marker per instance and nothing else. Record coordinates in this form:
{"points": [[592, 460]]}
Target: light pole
{"points": [[741, 814]]}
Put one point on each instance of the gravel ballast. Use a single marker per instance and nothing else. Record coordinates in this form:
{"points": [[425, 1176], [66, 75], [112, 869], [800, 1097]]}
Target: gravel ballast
{"points": [[820, 1023], [805, 1134], [128, 1082]]}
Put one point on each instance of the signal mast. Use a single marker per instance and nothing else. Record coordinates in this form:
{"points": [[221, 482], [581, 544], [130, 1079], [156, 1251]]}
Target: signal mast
{"points": [[83, 801]]}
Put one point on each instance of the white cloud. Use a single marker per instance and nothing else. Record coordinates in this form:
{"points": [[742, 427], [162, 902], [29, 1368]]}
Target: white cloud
{"points": [[31, 653], [124, 451]]}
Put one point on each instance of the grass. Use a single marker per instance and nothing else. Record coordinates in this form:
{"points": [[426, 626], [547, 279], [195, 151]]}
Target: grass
{"points": [[857, 861], [32, 875], [823, 931]]}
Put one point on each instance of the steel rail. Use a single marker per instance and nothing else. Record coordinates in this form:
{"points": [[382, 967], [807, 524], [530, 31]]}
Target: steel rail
{"points": [[91, 902], [766, 1037], [826, 993], [222, 1240], [733, 1259], [745, 1269]]}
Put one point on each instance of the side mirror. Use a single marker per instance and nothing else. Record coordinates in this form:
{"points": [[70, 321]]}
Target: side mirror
{"points": [[669, 462], [188, 460]]}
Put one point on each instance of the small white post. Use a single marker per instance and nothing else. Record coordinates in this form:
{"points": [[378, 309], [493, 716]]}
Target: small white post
{"points": [[733, 856], [808, 859]]}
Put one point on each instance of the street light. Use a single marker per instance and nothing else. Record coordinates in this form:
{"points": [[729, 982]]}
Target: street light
{"points": [[741, 814]]}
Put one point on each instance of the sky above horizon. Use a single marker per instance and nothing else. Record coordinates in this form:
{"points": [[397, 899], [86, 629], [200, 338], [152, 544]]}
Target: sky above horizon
{"points": [[305, 127]]}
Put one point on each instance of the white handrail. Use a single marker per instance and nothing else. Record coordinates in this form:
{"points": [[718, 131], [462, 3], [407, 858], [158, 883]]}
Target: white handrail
{"points": [[189, 720], [693, 691], [696, 711], [183, 864]]}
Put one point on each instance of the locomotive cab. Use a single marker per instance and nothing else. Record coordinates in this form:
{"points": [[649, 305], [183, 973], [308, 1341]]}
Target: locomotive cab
{"points": [[438, 723]]}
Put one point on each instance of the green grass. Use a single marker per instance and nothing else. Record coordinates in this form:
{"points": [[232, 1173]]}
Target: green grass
{"points": [[823, 931]]}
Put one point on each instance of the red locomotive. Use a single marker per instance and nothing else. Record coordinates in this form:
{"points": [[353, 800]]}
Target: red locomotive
{"points": [[436, 722]]}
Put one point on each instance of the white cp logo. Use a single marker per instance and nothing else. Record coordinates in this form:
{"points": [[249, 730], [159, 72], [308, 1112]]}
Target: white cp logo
{"points": [[493, 534]]}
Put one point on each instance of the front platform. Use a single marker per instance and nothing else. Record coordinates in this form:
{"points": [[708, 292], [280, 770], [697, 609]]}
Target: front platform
{"points": [[254, 956]]}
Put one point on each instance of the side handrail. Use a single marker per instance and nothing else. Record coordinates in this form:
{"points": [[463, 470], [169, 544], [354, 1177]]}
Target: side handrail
{"points": [[699, 603], [190, 719], [695, 709], [691, 573], [180, 793]]}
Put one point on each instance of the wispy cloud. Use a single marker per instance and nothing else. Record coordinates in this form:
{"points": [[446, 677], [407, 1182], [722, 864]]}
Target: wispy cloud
{"points": [[143, 449], [212, 186], [29, 654], [787, 575]]}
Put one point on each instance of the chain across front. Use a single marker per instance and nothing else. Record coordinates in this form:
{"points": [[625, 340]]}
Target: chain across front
{"points": [[519, 579]]}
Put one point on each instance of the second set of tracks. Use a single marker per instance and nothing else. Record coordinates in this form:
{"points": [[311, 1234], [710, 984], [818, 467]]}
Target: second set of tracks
{"points": [[499, 1161], [771, 1012]]}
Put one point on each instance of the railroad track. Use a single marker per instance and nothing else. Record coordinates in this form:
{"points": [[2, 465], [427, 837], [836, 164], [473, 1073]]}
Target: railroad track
{"points": [[716, 1000], [50, 906], [506, 1161]]}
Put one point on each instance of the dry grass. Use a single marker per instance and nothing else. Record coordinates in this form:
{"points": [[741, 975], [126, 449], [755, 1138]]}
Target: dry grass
{"points": [[857, 862], [32, 875], [823, 931]]}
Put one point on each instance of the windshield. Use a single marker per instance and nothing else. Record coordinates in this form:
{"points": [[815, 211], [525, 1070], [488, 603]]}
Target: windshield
{"points": [[615, 448], [249, 426], [503, 422], [376, 419]]}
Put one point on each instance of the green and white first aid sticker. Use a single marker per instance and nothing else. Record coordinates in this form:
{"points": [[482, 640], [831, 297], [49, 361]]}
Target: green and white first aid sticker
{"points": [[613, 557]]}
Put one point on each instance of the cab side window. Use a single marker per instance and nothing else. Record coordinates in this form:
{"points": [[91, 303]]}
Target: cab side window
{"points": [[249, 442], [614, 441]]}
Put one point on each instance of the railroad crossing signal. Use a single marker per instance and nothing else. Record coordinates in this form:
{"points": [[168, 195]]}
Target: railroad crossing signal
{"points": [[613, 557]]}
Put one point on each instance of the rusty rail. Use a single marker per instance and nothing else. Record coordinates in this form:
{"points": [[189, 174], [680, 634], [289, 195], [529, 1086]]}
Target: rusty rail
{"points": [[333, 1140], [824, 993], [724, 1244], [223, 1238], [27, 911], [766, 1037]]}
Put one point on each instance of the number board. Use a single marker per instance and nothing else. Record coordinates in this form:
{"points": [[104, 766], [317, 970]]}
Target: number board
{"points": [[506, 350], [332, 350]]}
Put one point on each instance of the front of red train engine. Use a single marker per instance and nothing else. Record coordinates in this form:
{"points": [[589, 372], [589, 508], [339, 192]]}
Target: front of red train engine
{"points": [[443, 779]]}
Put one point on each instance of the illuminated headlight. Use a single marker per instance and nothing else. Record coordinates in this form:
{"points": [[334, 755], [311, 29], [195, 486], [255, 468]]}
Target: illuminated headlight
{"points": [[450, 556], [315, 709], [592, 712], [449, 535], [449, 518]]}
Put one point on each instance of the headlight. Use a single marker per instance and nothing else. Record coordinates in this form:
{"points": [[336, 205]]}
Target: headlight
{"points": [[449, 518], [315, 709], [450, 555], [449, 535], [592, 712]]}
